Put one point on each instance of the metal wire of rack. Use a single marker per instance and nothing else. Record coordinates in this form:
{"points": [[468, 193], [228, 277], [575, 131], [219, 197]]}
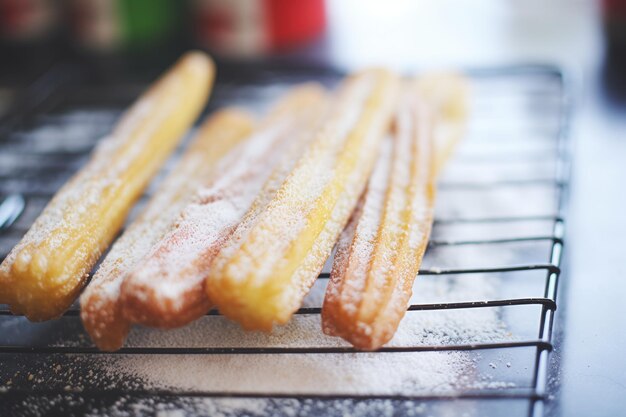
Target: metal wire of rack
{"points": [[33, 171]]}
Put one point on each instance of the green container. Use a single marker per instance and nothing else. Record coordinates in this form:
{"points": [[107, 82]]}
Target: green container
{"points": [[126, 24]]}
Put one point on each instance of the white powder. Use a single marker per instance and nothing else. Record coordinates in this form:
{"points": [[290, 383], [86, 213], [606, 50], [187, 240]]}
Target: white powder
{"points": [[369, 221], [182, 258], [305, 184], [364, 373], [358, 373]]}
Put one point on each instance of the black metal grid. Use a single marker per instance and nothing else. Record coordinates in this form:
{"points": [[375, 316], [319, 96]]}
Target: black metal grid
{"points": [[17, 191]]}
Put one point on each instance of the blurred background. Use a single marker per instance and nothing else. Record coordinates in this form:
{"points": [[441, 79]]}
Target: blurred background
{"points": [[400, 33], [117, 37], [121, 39]]}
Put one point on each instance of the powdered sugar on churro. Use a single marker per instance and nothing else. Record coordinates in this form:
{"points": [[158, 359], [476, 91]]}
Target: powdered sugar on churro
{"points": [[358, 252], [112, 156], [47, 268], [207, 221], [353, 187], [287, 246], [386, 250], [312, 174], [99, 302], [171, 277]]}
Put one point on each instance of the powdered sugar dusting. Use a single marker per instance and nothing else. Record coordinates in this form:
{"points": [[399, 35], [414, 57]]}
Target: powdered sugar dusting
{"points": [[357, 252], [203, 225], [319, 203], [117, 172], [99, 302], [181, 261], [361, 373], [311, 373], [369, 221], [281, 223], [371, 373]]}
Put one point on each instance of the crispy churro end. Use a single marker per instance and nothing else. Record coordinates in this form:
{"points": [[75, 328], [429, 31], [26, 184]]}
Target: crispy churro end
{"points": [[101, 319], [198, 61]]}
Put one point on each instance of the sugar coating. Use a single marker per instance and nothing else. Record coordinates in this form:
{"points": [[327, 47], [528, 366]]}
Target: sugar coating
{"points": [[196, 167], [170, 278], [288, 242], [380, 253], [43, 273]]}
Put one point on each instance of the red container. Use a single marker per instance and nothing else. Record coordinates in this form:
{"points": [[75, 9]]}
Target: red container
{"points": [[256, 27], [28, 20]]}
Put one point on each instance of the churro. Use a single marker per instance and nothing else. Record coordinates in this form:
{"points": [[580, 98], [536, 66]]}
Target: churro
{"points": [[99, 302], [261, 276], [166, 288], [380, 251], [447, 94], [43, 274]]}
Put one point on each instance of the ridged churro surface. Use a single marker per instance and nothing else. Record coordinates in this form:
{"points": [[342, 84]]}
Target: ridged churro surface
{"points": [[166, 288], [380, 251], [261, 278], [99, 302]]}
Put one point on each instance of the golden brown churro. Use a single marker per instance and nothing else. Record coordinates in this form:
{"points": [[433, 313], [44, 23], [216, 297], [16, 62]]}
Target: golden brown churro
{"points": [[380, 251], [43, 274], [166, 288], [260, 278], [99, 302]]}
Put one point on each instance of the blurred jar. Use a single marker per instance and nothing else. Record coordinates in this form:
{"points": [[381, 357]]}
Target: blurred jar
{"points": [[114, 25], [614, 16], [249, 28], [28, 21]]}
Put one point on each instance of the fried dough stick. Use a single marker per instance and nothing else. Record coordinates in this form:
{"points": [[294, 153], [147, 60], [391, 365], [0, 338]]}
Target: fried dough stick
{"points": [[447, 94], [380, 251], [261, 277], [99, 303], [166, 288], [44, 273]]}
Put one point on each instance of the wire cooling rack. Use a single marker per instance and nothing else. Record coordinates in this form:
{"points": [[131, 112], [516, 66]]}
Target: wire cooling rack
{"points": [[507, 191]]}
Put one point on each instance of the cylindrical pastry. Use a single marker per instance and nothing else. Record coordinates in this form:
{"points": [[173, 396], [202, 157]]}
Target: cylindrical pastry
{"points": [[380, 251], [261, 277], [43, 274], [166, 288], [99, 302]]}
